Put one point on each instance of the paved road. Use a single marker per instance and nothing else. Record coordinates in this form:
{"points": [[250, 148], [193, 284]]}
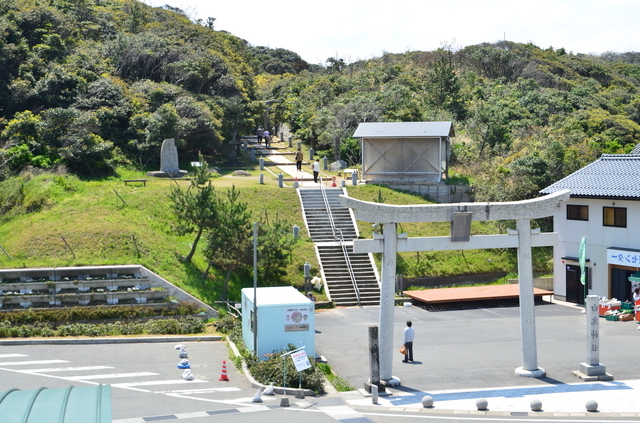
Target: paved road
{"points": [[464, 355], [146, 384], [461, 356]]}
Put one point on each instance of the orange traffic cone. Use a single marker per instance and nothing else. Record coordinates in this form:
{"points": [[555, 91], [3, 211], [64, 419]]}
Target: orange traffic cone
{"points": [[223, 376]]}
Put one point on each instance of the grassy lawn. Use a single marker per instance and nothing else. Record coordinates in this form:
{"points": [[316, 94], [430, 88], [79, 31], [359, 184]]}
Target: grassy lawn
{"points": [[64, 221], [101, 230]]}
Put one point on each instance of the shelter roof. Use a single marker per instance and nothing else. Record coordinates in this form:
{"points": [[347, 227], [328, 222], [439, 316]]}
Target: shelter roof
{"points": [[611, 176], [84, 404], [404, 130]]}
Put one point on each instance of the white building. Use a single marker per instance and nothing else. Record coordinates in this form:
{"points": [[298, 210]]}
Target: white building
{"points": [[604, 207]]}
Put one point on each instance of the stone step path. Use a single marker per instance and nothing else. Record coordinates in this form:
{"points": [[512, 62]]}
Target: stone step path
{"points": [[332, 257]]}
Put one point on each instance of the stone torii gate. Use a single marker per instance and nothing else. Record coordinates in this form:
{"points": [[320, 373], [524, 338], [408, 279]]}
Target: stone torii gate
{"points": [[389, 243]]}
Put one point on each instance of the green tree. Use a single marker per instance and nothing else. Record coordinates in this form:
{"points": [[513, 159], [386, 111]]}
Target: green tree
{"points": [[275, 244], [196, 207], [229, 241], [445, 89]]}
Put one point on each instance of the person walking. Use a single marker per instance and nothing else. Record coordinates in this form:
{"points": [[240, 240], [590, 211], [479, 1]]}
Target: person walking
{"points": [[267, 137], [260, 134], [299, 158], [316, 170], [408, 342]]}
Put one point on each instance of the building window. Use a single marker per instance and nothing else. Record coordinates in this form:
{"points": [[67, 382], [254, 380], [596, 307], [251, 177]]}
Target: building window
{"points": [[577, 212], [614, 216]]}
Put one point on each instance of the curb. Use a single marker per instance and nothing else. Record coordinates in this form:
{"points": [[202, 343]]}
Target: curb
{"points": [[433, 410], [87, 341]]}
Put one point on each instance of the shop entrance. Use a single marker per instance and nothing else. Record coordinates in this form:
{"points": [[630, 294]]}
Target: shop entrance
{"points": [[620, 284], [575, 290]]}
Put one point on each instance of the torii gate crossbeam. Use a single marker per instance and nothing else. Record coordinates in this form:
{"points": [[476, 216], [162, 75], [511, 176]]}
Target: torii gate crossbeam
{"points": [[390, 242]]}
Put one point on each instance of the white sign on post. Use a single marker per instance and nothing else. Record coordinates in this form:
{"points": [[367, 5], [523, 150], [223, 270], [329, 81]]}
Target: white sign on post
{"points": [[300, 360]]}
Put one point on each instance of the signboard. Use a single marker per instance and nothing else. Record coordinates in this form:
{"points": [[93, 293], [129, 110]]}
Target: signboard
{"points": [[623, 257], [296, 328], [297, 315], [300, 360]]}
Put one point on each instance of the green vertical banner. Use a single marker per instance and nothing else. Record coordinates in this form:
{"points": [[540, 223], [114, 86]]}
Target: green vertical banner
{"points": [[582, 258]]}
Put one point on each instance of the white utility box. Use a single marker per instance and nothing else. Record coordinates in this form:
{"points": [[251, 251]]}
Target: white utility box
{"points": [[285, 316]]}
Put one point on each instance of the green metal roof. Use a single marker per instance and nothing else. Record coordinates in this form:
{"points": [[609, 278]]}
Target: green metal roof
{"points": [[85, 404]]}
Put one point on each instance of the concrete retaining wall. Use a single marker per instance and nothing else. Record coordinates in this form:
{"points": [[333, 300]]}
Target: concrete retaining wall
{"points": [[15, 277]]}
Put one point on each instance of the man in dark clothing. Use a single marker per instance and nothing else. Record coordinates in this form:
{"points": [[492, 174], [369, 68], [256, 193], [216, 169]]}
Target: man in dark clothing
{"points": [[299, 160]]}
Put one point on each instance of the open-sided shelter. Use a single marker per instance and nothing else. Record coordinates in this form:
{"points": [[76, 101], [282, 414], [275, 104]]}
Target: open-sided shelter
{"points": [[405, 151]]}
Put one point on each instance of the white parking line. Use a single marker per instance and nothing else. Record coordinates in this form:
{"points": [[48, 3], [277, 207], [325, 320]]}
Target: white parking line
{"points": [[199, 391], [66, 369], [157, 382], [110, 376], [12, 355], [25, 363]]}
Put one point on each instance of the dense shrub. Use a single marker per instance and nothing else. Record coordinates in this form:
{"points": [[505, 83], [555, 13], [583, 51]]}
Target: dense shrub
{"points": [[70, 314], [227, 324], [183, 325], [272, 370]]}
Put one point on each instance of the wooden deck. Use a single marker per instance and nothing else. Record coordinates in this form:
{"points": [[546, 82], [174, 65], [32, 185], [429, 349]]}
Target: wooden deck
{"points": [[475, 293]]}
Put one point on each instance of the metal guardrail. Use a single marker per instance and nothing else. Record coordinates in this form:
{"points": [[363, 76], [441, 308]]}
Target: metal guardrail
{"points": [[340, 239]]}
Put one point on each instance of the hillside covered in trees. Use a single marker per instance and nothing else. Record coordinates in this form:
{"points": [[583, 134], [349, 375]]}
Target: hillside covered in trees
{"points": [[524, 117], [95, 84]]}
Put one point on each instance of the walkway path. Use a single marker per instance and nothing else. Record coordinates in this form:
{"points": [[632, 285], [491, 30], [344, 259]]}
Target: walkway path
{"points": [[288, 166]]}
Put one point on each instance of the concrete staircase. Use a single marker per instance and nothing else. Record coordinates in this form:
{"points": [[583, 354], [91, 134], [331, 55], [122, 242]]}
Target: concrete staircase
{"points": [[328, 223]]}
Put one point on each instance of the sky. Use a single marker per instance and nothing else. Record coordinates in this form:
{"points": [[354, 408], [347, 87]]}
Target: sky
{"points": [[355, 30]]}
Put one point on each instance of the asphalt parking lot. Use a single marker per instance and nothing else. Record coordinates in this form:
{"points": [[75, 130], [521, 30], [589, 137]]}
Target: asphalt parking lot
{"points": [[476, 347], [468, 352], [144, 378]]}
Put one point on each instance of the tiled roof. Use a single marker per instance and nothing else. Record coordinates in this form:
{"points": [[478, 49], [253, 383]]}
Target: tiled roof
{"points": [[611, 176]]}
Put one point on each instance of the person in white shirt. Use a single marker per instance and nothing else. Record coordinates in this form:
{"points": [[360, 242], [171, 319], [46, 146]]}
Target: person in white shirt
{"points": [[636, 295], [408, 342], [316, 170]]}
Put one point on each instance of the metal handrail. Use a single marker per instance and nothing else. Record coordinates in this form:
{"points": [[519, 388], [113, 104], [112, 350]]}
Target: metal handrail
{"points": [[350, 267], [340, 240]]}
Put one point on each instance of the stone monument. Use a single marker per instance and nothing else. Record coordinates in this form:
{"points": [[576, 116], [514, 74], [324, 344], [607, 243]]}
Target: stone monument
{"points": [[169, 165]]}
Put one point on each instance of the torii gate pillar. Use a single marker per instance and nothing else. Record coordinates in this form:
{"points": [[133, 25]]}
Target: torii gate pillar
{"points": [[387, 303], [527, 303]]}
